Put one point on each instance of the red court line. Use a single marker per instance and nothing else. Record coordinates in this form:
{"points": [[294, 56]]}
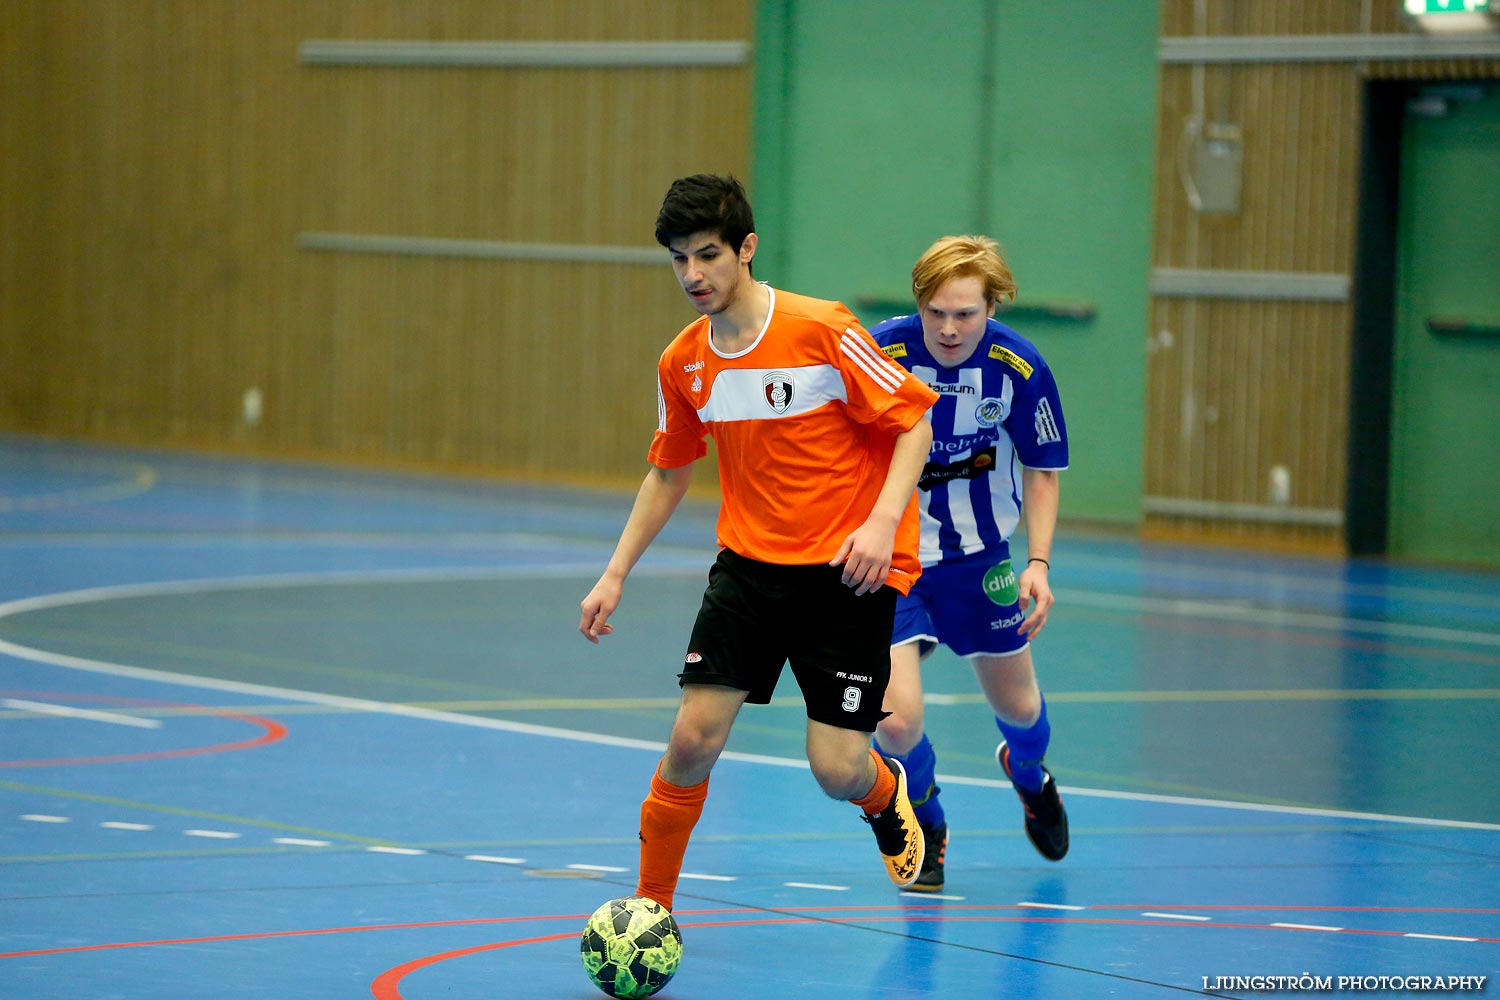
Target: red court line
{"points": [[265, 935], [1268, 906], [387, 985], [273, 731], [906, 913]]}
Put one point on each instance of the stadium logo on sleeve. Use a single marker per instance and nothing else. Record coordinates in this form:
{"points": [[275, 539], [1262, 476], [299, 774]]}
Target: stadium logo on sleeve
{"points": [[1047, 431], [894, 350], [1013, 359], [778, 386]]}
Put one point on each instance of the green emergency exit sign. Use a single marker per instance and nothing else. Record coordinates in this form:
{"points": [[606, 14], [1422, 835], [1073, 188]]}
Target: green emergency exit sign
{"points": [[1420, 8]]}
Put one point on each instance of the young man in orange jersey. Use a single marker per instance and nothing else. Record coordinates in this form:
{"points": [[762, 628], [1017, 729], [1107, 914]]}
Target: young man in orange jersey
{"points": [[821, 439]]}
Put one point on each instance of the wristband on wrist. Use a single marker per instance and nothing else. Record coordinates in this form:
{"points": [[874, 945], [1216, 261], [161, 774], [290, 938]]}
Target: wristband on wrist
{"points": [[1040, 560]]}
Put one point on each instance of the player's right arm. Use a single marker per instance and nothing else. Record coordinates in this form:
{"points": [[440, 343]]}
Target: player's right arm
{"points": [[658, 497]]}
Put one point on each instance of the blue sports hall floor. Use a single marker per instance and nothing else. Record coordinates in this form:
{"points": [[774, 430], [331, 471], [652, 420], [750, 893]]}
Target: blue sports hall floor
{"points": [[282, 730]]}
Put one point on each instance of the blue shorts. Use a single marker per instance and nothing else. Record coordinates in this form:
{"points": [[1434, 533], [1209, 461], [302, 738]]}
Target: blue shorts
{"points": [[971, 605]]}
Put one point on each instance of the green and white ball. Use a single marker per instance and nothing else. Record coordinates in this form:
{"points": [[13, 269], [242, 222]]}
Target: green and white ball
{"points": [[631, 947]]}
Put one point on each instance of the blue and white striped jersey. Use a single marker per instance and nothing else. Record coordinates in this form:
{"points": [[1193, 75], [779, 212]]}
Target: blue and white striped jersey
{"points": [[996, 412]]}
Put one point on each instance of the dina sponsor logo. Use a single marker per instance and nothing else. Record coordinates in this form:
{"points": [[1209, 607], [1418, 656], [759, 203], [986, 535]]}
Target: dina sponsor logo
{"points": [[1000, 584]]}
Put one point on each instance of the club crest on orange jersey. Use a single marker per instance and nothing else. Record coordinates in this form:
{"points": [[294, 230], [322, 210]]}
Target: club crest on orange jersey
{"points": [[778, 386]]}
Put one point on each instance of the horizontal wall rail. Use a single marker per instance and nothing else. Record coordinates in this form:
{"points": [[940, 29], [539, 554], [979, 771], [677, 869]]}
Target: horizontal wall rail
{"points": [[523, 54], [1323, 48], [423, 246], [1216, 510], [1184, 282]]}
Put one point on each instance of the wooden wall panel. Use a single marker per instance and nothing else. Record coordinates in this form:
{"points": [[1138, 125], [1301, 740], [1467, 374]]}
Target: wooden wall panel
{"points": [[1236, 389], [179, 148], [1267, 17], [22, 168], [1238, 384], [1300, 128]]}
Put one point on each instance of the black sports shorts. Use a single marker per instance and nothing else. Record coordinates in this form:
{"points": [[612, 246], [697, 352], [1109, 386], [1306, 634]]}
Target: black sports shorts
{"points": [[756, 617]]}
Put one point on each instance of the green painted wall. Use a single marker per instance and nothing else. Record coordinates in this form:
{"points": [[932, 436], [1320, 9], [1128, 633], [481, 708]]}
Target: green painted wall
{"points": [[1445, 423], [880, 126]]}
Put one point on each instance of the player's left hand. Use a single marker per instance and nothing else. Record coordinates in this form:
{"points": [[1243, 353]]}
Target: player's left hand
{"points": [[866, 556], [1036, 591]]}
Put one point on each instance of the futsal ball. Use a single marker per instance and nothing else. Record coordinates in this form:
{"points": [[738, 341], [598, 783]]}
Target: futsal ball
{"points": [[631, 947]]}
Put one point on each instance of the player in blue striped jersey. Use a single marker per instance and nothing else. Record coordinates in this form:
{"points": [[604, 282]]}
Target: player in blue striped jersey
{"points": [[999, 442]]}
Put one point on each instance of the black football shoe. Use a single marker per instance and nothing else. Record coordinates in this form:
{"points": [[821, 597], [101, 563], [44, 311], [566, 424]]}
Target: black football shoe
{"points": [[1046, 820]]}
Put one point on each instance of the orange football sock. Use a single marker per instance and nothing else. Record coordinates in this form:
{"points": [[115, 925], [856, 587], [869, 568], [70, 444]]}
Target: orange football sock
{"points": [[879, 797], [668, 816]]}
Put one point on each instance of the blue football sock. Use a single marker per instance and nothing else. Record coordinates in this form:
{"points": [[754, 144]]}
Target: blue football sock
{"points": [[1027, 748], [921, 774]]}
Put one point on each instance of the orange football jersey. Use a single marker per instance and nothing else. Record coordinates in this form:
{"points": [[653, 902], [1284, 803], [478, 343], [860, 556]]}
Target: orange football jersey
{"points": [[804, 419]]}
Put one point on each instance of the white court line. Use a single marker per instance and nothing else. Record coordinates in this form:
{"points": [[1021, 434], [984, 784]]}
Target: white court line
{"points": [[656, 746], [69, 712], [1178, 916], [1051, 906], [211, 834], [493, 860], [117, 825], [599, 868], [301, 842], [408, 851], [708, 878], [40, 818], [815, 885], [1440, 937], [1263, 807], [1306, 927]]}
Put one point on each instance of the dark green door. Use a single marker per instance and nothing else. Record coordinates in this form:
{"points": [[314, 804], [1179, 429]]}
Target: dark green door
{"points": [[1445, 426]]}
